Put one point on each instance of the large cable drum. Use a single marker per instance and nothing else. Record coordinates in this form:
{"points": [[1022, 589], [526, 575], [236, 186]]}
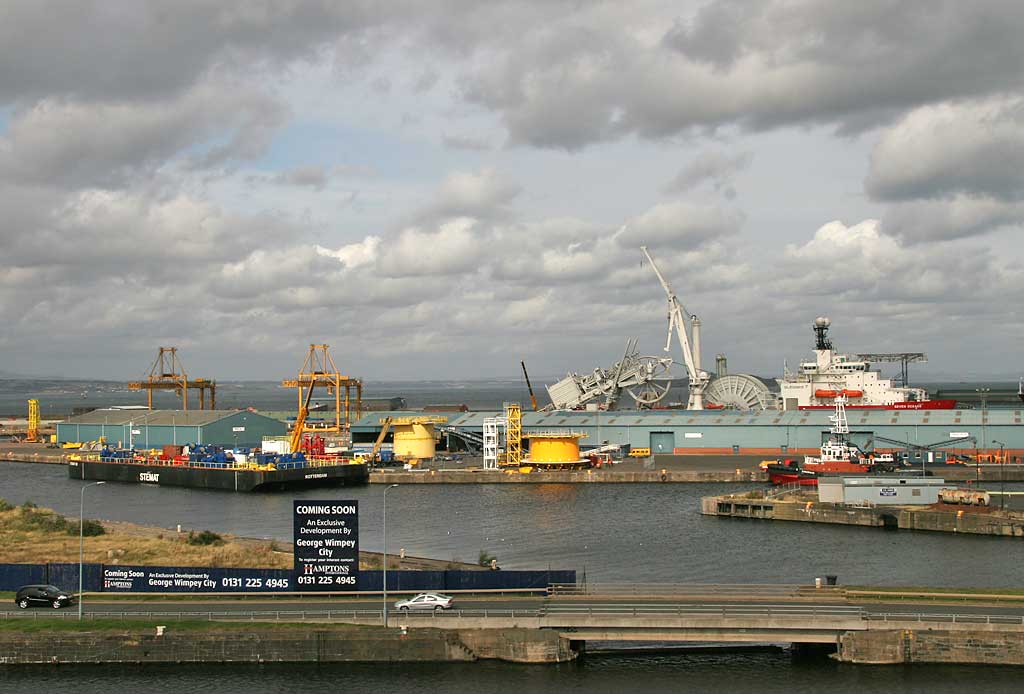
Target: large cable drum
{"points": [[739, 392]]}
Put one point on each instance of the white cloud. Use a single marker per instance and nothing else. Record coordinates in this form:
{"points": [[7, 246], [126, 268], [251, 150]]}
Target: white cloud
{"points": [[355, 255], [453, 248], [680, 224]]}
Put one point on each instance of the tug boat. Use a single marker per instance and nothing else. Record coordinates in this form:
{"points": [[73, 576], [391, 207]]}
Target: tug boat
{"points": [[837, 457]]}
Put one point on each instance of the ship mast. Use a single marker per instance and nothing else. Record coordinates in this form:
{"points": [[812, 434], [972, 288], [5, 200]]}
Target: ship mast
{"points": [[839, 425]]}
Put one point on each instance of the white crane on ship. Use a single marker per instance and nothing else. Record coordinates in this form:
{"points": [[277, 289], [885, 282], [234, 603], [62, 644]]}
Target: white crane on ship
{"points": [[677, 319]]}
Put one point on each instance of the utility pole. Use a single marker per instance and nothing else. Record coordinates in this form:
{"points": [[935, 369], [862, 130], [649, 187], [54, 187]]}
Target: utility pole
{"points": [[81, 542]]}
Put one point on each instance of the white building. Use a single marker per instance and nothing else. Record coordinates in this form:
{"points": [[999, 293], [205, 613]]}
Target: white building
{"points": [[880, 491]]}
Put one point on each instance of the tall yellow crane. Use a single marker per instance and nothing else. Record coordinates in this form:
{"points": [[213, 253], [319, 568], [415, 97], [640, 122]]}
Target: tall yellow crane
{"points": [[32, 436], [300, 422], [384, 428], [533, 398], [319, 369], [167, 373]]}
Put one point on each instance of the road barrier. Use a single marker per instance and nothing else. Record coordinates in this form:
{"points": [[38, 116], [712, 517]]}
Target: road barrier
{"points": [[753, 590], [551, 612]]}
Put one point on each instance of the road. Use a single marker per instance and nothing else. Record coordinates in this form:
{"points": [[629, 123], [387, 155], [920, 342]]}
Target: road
{"points": [[505, 604]]}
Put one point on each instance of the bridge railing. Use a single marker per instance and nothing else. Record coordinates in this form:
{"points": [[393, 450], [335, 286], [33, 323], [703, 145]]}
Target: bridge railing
{"points": [[614, 611], [432, 615], [945, 618], [754, 590]]}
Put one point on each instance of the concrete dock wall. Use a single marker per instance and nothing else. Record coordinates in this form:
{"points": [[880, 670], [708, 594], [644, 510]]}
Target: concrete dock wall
{"points": [[937, 520], [926, 646], [563, 476], [286, 646]]}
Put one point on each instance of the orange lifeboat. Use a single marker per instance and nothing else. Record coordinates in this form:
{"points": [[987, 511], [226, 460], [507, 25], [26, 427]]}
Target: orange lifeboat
{"points": [[714, 406], [826, 393], [853, 393]]}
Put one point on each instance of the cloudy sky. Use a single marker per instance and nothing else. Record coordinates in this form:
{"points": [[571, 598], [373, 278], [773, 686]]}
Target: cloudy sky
{"points": [[441, 189]]}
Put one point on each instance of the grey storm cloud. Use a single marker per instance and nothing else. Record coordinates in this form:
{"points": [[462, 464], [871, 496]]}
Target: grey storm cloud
{"points": [[147, 194], [311, 176], [714, 166], [846, 64], [104, 49], [78, 144], [938, 151], [949, 219], [952, 170]]}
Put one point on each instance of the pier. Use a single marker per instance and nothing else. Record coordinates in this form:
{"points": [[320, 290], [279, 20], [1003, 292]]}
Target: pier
{"points": [[803, 507]]}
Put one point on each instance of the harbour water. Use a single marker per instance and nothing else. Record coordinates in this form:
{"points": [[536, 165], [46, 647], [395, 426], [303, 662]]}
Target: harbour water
{"points": [[610, 532], [764, 673], [605, 532]]}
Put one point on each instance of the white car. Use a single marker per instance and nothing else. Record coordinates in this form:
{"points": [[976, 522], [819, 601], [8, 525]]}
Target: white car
{"points": [[425, 601]]}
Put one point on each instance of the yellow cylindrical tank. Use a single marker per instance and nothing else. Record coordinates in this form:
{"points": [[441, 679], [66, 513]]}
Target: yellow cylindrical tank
{"points": [[414, 440], [554, 448]]}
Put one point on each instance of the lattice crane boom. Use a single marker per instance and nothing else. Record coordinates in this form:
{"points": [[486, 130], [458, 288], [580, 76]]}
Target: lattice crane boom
{"points": [[319, 369], [677, 321]]}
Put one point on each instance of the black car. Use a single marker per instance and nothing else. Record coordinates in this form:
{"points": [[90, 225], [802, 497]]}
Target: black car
{"points": [[42, 595]]}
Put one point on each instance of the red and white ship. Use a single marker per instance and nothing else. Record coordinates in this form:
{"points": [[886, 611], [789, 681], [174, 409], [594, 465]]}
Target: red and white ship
{"points": [[831, 375], [837, 456]]}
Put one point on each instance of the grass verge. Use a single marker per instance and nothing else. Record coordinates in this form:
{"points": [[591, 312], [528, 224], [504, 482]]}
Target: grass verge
{"points": [[136, 626]]}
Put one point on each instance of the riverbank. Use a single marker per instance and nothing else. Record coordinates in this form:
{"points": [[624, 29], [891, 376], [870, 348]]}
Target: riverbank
{"points": [[216, 642], [33, 535], [804, 507]]}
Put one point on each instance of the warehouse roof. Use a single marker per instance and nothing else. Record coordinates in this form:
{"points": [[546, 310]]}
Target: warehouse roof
{"points": [[656, 418], [153, 417]]}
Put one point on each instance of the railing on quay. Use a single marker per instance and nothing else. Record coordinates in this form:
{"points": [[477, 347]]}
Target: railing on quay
{"points": [[439, 616], [745, 590], [925, 617]]}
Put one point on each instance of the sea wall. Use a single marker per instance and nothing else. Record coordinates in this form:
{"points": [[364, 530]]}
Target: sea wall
{"points": [[564, 476], [947, 520], [924, 646], [285, 646]]}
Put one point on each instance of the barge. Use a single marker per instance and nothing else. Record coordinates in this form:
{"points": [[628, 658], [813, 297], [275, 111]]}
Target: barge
{"points": [[297, 473]]}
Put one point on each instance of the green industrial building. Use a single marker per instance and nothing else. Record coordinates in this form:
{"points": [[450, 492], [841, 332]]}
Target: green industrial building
{"points": [[769, 433], [156, 428]]}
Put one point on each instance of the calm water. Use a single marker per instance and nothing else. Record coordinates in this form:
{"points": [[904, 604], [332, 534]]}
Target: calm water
{"points": [[764, 673], [612, 532], [58, 397]]}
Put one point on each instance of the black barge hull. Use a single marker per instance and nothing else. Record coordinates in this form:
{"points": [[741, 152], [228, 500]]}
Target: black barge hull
{"points": [[212, 478]]}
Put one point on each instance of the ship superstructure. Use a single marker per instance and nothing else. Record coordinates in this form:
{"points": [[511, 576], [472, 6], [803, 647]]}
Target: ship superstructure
{"points": [[818, 383]]}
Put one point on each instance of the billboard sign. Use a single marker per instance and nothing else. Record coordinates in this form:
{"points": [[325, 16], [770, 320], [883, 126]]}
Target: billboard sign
{"points": [[325, 545], [188, 579]]}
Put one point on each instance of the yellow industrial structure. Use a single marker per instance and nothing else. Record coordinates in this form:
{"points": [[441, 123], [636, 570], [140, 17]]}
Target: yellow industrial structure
{"points": [[319, 369], [555, 449], [385, 427], [32, 436], [167, 373], [513, 434], [414, 437]]}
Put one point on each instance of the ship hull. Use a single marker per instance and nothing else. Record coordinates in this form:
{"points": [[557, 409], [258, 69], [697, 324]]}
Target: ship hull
{"points": [[783, 474], [911, 405], [221, 479]]}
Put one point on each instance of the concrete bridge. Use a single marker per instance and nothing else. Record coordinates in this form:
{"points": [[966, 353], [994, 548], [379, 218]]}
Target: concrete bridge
{"points": [[864, 629]]}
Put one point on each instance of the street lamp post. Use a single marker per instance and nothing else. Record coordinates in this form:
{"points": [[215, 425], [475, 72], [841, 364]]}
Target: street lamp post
{"points": [[81, 542], [384, 582], [1002, 474]]}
